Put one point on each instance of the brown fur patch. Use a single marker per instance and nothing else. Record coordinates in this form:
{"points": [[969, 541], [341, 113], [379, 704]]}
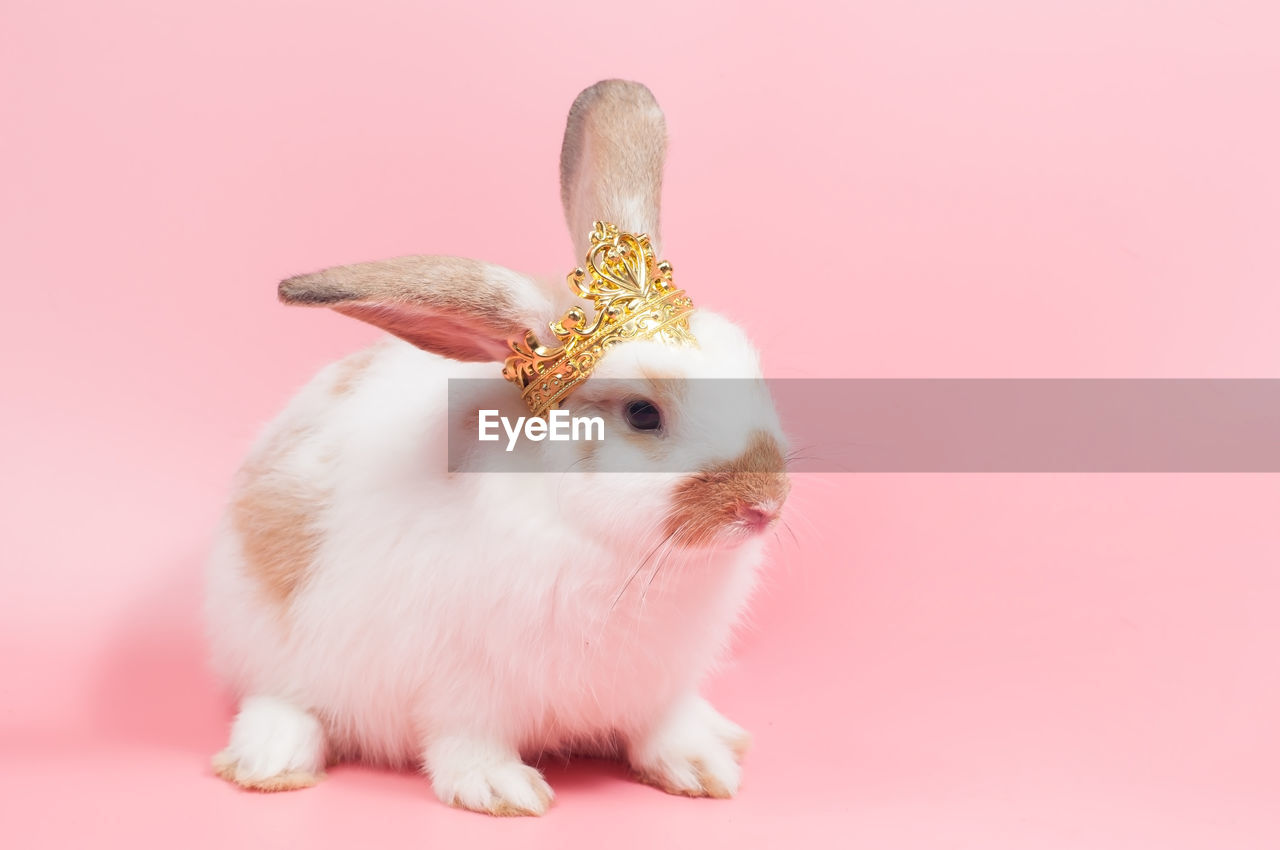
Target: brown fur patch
{"points": [[668, 381], [710, 785], [225, 768], [503, 809], [708, 502], [350, 369], [274, 512], [587, 451]]}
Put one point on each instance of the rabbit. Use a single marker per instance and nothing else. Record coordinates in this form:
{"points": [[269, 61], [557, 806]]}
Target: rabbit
{"points": [[366, 603]]}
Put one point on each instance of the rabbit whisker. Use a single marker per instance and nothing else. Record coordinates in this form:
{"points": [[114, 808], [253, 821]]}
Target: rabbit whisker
{"points": [[658, 564], [790, 531], [640, 567]]}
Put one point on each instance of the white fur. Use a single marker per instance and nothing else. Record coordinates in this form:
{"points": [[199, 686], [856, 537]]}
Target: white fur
{"points": [[271, 738], [484, 606]]}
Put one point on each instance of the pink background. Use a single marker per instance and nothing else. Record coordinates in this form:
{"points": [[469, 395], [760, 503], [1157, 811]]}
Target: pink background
{"points": [[994, 189]]}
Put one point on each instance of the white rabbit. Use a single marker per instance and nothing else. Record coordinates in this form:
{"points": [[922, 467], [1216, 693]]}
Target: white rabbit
{"points": [[366, 603]]}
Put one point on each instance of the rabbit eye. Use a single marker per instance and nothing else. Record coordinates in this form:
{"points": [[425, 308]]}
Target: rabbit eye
{"points": [[644, 415]]}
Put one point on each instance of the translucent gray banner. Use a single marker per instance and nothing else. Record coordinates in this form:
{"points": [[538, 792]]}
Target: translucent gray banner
{"points": [[867, 425]]}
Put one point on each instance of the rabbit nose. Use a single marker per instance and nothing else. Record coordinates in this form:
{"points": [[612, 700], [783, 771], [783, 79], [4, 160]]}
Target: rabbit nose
{"points": [[757, 517]]}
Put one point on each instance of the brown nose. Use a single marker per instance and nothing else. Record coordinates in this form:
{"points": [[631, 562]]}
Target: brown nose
{"points": [[743, 494]]}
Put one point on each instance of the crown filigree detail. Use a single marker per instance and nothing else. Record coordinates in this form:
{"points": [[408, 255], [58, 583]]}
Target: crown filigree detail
{"points": [[632, 298]]}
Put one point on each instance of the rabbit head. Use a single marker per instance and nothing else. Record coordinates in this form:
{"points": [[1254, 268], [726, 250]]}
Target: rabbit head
{"points": [[694, 447]]}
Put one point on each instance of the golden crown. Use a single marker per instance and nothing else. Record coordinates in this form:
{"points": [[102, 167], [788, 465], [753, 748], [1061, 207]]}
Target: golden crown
{"points": [[633, 298]]}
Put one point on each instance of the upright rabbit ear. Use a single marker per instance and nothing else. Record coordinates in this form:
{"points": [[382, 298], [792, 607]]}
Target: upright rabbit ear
{"points": [[615, 143], [464, 309]]}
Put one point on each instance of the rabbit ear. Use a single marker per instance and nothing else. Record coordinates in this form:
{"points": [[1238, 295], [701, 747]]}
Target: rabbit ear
{"points": [[464, 309], [615, 143]]}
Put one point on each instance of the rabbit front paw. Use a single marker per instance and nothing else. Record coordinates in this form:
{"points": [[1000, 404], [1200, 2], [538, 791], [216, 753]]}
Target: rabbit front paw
{"points": [[695, 752], [486, 778], [275, 746]]}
